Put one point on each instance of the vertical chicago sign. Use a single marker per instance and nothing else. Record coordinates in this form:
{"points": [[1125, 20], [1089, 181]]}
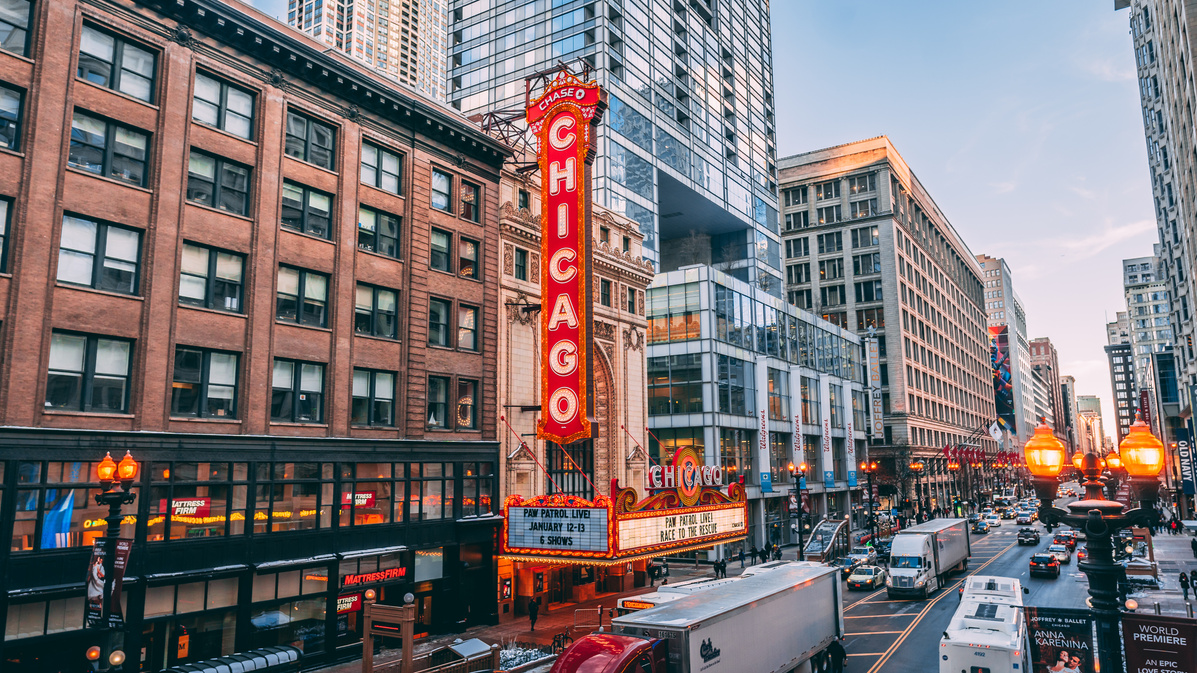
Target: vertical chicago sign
{"points": [[564, 119]]}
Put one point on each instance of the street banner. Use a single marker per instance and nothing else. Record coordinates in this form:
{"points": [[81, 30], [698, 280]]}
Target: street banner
{"points": [[564, 120], [1003, 382], [850, 441], [1156, 644], [1145, 405], [828, 460], [94, 611], [1188, 466], [876, 406], [995, 431], [1061, 639]]}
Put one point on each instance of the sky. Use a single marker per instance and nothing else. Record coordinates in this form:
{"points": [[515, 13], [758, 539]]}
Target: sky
{"points": [[1020, 117]]}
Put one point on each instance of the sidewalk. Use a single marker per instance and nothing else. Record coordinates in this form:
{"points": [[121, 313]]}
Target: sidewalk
{"points": [[1173, 554]]}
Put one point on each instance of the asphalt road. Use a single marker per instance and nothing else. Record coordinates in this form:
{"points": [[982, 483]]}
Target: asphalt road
{"points": [[903, 635]]}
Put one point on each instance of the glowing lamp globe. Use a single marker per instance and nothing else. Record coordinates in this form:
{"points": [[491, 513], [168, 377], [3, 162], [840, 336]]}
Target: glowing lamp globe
{"points": [[1078, 460], [802, 467], [106, 470], [1142, 454], [127, 468], [1114, 461], [1044, 453]]}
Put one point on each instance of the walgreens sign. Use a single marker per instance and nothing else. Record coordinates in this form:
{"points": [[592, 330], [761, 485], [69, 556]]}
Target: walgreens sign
{"points": [[564, 118]]}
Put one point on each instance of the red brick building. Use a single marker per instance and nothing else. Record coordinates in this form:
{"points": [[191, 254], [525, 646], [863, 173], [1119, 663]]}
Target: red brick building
{"points": [[273, 276]]}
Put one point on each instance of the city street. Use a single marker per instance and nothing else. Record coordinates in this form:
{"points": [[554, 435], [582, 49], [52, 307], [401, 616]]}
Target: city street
{"points": [[898, 635]]}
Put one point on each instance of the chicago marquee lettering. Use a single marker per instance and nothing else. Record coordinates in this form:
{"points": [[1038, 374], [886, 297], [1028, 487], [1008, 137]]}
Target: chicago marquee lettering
{"points": [[563, 119]]}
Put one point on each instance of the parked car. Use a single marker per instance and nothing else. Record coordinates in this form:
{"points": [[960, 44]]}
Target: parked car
{"points": [[867, 577], [1045, 564], [980, 528], [993, 520], [1061, 552], [1065, 539], [866, 554], [1028, 536], [847, 565]]}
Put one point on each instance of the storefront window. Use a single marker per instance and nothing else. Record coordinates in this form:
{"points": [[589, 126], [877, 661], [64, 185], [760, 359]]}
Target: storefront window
{"points": [[430, 564], [478, 484], [27, 620], [299, 623], [190, 500], [430, 491], [366, 502], [298, 497], [56, 507]]}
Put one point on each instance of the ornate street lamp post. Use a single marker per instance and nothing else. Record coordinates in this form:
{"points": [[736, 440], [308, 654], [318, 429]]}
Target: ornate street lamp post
{"points": [[1142, 457], [796, 474], [869, 467], [111, 474], [917, 466], [954, 468]]}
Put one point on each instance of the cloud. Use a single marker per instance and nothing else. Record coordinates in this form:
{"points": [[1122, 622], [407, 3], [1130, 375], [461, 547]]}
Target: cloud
{"points": [[1003, 187], [1096, 242]]}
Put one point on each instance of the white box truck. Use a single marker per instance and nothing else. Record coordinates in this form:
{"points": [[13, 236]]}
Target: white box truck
{"points": [[772, 622], [988, 631], [921, 557]]}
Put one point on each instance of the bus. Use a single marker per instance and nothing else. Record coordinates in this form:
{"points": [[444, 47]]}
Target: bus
{"points": [[988, 633]]}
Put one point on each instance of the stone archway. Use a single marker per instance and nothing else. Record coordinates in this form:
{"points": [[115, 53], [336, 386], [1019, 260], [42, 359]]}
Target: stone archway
{"points": [[604, 419]]}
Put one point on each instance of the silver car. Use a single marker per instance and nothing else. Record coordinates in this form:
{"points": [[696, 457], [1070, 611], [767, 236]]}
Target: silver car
{"points": [[1062, 553]]}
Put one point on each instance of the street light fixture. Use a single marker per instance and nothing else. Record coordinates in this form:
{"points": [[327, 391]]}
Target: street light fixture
{"points": [[1142, 457], [869, 467], [797, 473], [111, 475], [917, 467]]}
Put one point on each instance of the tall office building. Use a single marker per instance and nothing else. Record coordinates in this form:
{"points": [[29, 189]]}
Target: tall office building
{"points": [[1122, 382], [687, 146], [1090, 433], [868, 249], [1046, 363], [1007, 321], [1118, 330], [1164, 53], [403, 39], [1068, 403], [1147, 308]]}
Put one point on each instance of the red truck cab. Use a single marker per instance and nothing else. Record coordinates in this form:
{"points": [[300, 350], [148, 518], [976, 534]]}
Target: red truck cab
{"points": [[612, 653]]}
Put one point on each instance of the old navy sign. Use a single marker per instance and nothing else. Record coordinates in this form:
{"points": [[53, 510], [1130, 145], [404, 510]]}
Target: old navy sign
{"points": [[563, 119]]}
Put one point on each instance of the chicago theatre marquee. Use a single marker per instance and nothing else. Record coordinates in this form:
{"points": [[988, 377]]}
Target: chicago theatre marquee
{"points": [[572, 382]]}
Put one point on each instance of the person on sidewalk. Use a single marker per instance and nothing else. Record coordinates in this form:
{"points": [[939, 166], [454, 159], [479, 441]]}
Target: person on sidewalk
{"points": [[1193, 544], [742, 554], [534, 611], [1184, 585], [752, 555], [838, 656], [1193, 582]]}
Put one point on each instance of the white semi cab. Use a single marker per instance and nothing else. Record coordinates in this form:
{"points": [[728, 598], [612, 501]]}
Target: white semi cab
{"points": [[922, 556], [988, 631]]}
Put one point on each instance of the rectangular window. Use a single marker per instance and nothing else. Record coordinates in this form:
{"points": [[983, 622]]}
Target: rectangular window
{"points": [[827, 190], [800, 298], [833, 295], [382, 169], [864, 208], [865, 237], [829, 215], [114, 63], [223, 106], [307, 210], [442, 188], [798, 273], [471, 202], [798, 220], [866, 264], [309, 140], [631, 300], [297, 394], [99, 255], [440, 255], [5, 224], [439, 311], [10, 109], [217, 183], [833, 242], [795, 197], [302, 297], [205, 384], [467, 404], [438, 403], [376, 312], [14, 25], [797, 247], [604, 292], [523, 198], [467, 263], [521, 264], [373, 400], [868, 291], [830, 269], [108, 149], [870, 317], [210, 278], [467, 328], [88, 373], [378, 232]]}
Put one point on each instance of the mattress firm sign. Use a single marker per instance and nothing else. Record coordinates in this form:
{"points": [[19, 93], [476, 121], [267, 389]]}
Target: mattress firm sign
{"points": [[675, 528], [560, 529]]}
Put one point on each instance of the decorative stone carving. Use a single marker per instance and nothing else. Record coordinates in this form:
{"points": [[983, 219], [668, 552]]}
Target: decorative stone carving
{"points": [[604, 330], [508, 259], [639, 302], [276, 78], [516, 312], [633, 339], [534, 262], [182, 35], [352, 113]]}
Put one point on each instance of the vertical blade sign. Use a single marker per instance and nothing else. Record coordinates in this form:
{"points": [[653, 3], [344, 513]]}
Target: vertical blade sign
{"points": [[564, 120]]}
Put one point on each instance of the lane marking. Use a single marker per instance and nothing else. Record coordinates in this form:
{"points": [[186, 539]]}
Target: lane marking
{"points": [[867, 654], [858, 602], [896, 614], [947, 591], [870, 633]]}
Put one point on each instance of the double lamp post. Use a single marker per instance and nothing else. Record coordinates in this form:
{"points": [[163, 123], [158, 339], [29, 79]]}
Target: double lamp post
{"points": [[1141, 456], [116, 481]]}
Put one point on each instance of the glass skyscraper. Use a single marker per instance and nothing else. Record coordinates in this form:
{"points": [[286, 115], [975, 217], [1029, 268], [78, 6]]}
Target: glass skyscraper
{"points": [[687, 146]]}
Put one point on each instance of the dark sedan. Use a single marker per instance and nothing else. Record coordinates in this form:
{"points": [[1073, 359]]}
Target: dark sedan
{"points": [[980, 528], [1045, 564], [846, 564], [1028, 536]]}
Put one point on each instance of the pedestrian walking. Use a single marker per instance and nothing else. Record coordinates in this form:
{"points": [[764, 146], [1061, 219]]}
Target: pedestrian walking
{"points": [[1193, 581], [1193, 544], [534, 611], [752, 555], [1184, 585], [838, 656], [742, 554]]}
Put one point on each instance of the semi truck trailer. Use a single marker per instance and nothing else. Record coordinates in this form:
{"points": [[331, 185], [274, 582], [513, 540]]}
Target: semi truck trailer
{"points": [[922, 556]]}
